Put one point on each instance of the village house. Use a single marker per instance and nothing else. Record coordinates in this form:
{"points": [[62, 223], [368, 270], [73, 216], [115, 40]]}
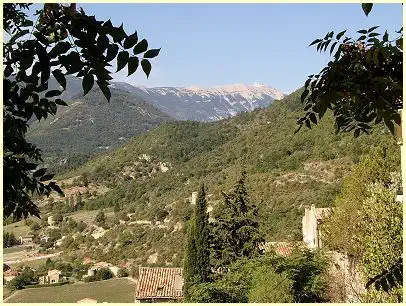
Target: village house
{"points": [[53, 277], [87, 261], [6, 267], [159, 285], [10, 274], [98, 232], [26, 239], [281, 248], [92, 270], [44, 238], [311, 225]]}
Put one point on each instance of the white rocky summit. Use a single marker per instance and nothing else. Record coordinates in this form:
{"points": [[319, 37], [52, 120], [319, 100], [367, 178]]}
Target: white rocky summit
{"points": [[206, 104]]}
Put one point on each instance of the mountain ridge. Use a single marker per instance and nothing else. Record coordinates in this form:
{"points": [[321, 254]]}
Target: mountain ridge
{"points": [[206, 104]]}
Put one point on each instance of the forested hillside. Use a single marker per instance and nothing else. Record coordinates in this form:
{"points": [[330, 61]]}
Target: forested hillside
{"points": [[90, 125], [154, 174]]}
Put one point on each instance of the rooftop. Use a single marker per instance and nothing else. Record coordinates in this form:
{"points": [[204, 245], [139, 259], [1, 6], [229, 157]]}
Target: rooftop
{"points": [[160, 283]]}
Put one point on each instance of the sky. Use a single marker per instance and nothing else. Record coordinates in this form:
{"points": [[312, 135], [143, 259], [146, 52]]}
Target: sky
{"points": [[218, 44]]}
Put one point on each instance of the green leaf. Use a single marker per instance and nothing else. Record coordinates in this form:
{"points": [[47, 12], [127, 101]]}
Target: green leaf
{"points": [[27, 23], [133, 63], [367, 7], [142, 46], [304, 95], [102, 42], [8, 71], [55, 187], [112, 51], [373, 28], [130, 41], [399, 43], [18, 35], [313, 118], [332, 47], [108, 24], [362, 31], [390, 125], [39, 172], [373, 34], [105, 89], [384, 284], [385, 36], [315, 42], [87, 83], [118, 34], [60, 102], [362, 38], [60, 48], [46, 177], [152, 53], [146, 66], [53, 93], [122, 60], [339, 35], [60, 77], [30, 166]]}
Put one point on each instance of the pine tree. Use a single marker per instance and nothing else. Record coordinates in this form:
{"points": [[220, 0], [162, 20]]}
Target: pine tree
{"points": [[197, 256], [236, 231]]}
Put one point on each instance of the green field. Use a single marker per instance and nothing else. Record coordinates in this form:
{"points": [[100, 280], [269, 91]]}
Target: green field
{"points": [[119, 290], [13, 249], [88, 216], [34, 264]]}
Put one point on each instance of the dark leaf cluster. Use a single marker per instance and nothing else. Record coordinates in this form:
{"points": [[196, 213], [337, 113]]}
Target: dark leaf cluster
{"points": [[62, 42]]}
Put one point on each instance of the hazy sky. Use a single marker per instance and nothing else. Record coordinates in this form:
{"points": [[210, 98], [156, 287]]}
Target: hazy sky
{"points": [[217, 44]]}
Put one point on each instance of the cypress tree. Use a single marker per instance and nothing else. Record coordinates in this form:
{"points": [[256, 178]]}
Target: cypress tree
{"points": [[197, 257], [236, 231]]}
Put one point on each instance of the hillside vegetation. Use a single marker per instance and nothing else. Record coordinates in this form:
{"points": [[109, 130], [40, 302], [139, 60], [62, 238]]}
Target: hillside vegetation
{"points": [[90, 125], [154, 175]]}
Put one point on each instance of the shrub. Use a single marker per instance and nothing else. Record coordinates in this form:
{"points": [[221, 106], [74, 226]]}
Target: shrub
{"points": [[122, 272], [103, 274]]}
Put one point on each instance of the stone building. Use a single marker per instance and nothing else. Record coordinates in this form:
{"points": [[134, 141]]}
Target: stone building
{"points": [[53, 277], [311, 225], [26, 239]]}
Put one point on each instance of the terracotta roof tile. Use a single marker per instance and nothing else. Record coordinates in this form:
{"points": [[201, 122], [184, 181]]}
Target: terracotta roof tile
{"points": [[159, 283], [281, 248]]}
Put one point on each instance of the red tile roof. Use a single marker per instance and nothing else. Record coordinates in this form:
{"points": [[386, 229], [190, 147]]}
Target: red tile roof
{"points": [[159, 283], [11, 272], [281, 248]]}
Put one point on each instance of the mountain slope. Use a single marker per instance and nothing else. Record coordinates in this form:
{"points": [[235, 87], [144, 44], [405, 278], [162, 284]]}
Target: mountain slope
{"points": [[206, 104], [90, 124], [157, 172]]}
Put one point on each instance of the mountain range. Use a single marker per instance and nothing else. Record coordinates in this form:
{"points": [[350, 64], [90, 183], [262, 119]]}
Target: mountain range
{"points": [[206, 104], [89, 125]]}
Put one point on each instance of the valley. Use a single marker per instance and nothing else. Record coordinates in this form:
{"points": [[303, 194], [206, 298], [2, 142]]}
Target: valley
{"points": [[129, 206], [205, 153]]}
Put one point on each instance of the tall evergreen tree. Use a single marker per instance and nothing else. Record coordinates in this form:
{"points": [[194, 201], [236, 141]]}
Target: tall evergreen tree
{"points": [[236, 231], [197, 257]]}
